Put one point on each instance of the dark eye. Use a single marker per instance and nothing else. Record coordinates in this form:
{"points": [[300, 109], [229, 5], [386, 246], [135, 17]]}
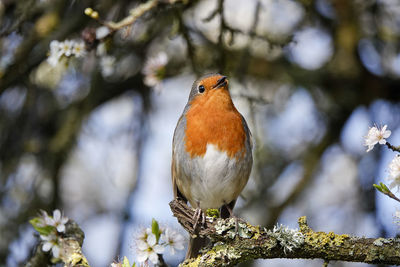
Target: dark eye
{"points": [[201, 89]]}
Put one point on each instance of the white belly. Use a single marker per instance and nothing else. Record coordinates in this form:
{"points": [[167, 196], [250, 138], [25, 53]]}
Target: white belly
{"points": [[216, 178]]}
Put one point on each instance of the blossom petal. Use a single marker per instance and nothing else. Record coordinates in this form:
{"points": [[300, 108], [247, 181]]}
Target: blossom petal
{"points": [[179, 246], [47, 246], [56, 215], [158, 249], [142, 256], [46, 237], [142, 245], [61, 228], [382, 141], [153, 257], [151, 239], [56, 251], [387, 133], [164, 237]]}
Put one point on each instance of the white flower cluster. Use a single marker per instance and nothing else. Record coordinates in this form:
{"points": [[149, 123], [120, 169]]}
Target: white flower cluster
{"points": [[148, 246], [394, 173], [376, 135], [288, 238], [154, 70], [66, 48], [51, 240]]}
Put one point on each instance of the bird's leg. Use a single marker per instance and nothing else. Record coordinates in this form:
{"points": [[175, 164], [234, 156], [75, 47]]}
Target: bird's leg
{"points": [[199, 216], [229, 208], [226, 210], [196, 217]]}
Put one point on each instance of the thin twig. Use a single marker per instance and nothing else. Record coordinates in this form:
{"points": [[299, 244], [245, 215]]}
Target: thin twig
{"points": [[134, 14], [391, 195], [392, 147]]}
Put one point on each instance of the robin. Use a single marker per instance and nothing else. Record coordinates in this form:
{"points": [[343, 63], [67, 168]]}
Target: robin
{"points": [[211, 151]]}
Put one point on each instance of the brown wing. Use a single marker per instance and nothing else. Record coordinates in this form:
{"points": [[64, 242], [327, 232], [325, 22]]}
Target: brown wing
{"points": [[249, 136], [174, 167]]}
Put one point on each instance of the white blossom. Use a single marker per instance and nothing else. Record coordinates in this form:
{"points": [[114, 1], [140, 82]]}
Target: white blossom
{"points": [[78, 49], [394, 173], [55, 53], [174, 240], [144, 234], [55, 47], [66, 47], [101, 50], [107, 64], [57, 221], [376, 135], [43, 219], [148, 250], [50, 243], [102, 32], [154, 70]]}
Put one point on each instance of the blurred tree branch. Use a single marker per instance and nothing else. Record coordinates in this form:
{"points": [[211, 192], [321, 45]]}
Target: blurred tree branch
{"points": [[134, 14]]}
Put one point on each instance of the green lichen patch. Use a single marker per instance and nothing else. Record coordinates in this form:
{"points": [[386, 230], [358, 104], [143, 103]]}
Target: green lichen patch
{"points": [[321, 239], [380, 241], [256, 231], [244, 231], [213, 213], [223, 226], [220, 251], [230, 228], [304, 228], [191, 262], [225, 251]]}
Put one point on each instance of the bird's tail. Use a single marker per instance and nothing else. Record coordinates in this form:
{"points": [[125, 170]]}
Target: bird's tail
{"points": [[195, 244]]}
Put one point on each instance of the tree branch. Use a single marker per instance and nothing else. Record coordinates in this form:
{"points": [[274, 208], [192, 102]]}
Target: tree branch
{"points": [[392, 147], [253, 242]]}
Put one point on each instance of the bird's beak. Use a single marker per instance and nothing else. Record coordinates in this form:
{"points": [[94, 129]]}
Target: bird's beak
{"points": [[222, 82]]}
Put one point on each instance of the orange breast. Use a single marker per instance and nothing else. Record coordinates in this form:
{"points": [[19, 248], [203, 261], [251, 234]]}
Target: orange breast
{"points": [[213, 119]]}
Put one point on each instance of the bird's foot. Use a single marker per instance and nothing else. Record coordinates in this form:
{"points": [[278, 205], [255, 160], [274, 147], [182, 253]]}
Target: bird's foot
{"points": [[199, 218]]}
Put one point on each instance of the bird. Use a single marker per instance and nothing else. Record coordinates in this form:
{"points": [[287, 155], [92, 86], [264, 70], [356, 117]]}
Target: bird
{"points": [[211, 152]]}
